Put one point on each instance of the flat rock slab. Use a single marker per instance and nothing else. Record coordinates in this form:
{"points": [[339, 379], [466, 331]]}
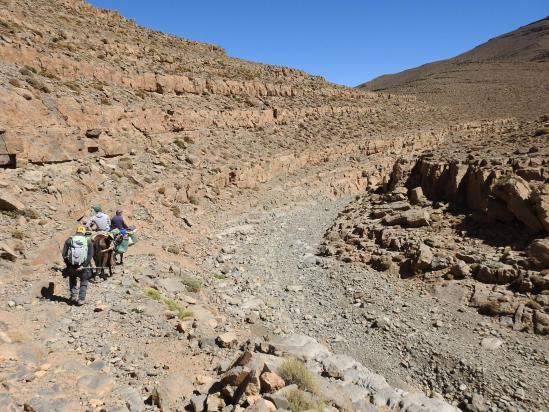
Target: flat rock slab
{"points": [[9, 202], [299, 346], [241, 229], [172, 391], [97, 385], [171, 285], [491, 343]]}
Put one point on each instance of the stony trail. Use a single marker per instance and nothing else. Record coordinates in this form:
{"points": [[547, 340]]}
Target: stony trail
{"points": [[417, 336]]}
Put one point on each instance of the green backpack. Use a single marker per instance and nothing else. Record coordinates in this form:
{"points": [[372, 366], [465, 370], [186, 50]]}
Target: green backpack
{"points": [[78, 250]]}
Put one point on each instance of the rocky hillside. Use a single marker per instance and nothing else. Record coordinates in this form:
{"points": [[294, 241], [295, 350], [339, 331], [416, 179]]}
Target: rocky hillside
{"points": [[102, 86], [506, 76], [232, 171]]}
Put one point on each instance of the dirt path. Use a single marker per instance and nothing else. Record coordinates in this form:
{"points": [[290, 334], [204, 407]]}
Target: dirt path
{"points": [[415, 337]]}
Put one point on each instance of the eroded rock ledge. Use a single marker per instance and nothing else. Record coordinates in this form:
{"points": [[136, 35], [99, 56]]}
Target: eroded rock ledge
{"points": [[458, 215]]}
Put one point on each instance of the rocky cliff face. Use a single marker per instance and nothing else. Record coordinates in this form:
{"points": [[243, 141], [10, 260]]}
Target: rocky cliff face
{"points": [[469, 211], [194, 145], [115, 86]]}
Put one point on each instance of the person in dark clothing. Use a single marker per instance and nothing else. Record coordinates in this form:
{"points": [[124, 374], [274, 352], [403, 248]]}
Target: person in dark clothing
{"points": [[117, 221], [77, 254]]}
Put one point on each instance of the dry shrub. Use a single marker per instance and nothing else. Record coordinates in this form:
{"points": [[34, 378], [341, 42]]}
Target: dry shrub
{"points": [[193, 285], [295, 372], [18, 234], [299, 401], [194, 200]]}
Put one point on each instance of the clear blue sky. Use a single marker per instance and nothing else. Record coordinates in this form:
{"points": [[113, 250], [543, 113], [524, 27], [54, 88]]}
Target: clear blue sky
{"points": [[347, 41]]}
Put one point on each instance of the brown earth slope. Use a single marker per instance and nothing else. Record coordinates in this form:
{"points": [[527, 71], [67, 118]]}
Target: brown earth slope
{"points": [[206, 155], [506, 76], [95, 109]]}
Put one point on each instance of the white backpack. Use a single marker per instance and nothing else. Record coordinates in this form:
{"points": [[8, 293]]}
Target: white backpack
{"points": [[78, 250]]}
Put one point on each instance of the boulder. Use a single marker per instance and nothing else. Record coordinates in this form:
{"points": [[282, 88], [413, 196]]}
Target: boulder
{"points": [[271, 382], [198, 402], [460, 270], [477, 189], [497, 273], [538, 251], [415, 218], [541, 322], [423, 258], [262, 405], [278, 400], [227, 340], [416, 196], [515, 192], [540, 200], [173, 392], [132, 399], [335, 366], [93, 133], [454, 189], [98, 385], [299, 346], [235, 376], [9, 202], [7, 252], [540, 283]]}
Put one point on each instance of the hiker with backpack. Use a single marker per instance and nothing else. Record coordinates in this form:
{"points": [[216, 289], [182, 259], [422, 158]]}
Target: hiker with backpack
{"points": [[77, 253]]}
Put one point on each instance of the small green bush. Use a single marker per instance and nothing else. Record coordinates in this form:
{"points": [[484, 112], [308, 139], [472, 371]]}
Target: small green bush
{"points": [[295, 372], [182, 313]]}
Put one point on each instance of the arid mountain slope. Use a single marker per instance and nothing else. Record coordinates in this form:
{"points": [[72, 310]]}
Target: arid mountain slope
{"points": [[232, 172], [94, 109], [506, 76]]}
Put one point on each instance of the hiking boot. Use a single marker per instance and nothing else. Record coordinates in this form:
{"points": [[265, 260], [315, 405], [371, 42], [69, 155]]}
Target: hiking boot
{"points": [[80, 302], [73, 298]]}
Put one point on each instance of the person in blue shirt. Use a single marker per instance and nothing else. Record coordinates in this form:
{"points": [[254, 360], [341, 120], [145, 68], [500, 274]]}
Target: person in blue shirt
{"points": [[117, 221]]}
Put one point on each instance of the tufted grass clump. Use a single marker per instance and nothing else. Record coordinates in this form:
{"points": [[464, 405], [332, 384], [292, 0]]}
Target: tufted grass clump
{"points": [[194, 200], [192, 285], [153, 293], [182, 313], [180, 143], [294, 371], [299, 401], [18, 234]]}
